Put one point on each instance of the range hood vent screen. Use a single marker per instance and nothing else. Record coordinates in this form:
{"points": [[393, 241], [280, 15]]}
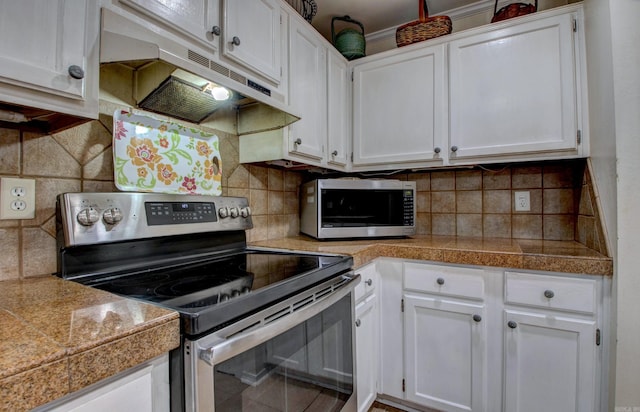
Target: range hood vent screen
{"points": [[182, 100]]}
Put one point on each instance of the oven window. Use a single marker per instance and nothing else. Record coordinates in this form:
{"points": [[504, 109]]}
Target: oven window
{"points": [[362, 208], [307, 368]]}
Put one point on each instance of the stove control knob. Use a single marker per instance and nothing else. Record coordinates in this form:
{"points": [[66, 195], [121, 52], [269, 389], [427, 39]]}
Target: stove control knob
{"points": [[112, 216], [88, 216], [223, 212], [245, 211], [246, 289], [233, 212], [235, 293], [224, 297]]}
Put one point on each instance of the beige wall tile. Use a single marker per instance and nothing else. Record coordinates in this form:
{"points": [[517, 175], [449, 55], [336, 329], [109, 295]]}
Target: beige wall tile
{"points": [[39, 252], [276, 227], [443, 181], [496, 201], [443, 224], [526, 226], [232, 191], [468, 180], [86, 141], [259, 202], [276, 179], [46, 192], [292, 181], [423, 223], [496, 226], [259, 231], [292, 225], [9, 250], [43, 156], [423, 202], [258, 177], [558, 201], [443, 202], [469, 224], [558, 227], [559, 176], [100, 167], [585, 207], [276, 203], [291, 203], [98, 186], [423, 181], [527, 177], [496, 180], [239, 178], [9, 151], [469, 201]]}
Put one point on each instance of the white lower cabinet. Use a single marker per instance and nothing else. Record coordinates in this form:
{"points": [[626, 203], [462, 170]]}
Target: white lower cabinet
{"points": [[457, 338]]}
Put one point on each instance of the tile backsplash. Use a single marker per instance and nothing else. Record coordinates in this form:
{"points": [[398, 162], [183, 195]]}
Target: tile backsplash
{"points": [[80, 159], [475, 202]]}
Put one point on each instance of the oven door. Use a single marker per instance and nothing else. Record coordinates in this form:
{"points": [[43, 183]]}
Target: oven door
{"points": [[296, 355]]}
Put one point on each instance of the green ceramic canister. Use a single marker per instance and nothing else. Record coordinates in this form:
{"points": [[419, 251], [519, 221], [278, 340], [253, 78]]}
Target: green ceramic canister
{"points": [[349, 42]]}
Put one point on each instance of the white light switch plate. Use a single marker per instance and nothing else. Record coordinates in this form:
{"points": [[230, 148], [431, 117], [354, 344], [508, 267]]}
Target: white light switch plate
{"points": [[17, 198]]}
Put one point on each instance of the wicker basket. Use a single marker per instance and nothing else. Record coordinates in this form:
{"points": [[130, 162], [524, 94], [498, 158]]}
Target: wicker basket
{"points": [[513, 10], [424, 29]]}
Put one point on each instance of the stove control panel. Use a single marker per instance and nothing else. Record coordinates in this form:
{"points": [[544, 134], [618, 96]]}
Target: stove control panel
{"points": [[90, 218]]}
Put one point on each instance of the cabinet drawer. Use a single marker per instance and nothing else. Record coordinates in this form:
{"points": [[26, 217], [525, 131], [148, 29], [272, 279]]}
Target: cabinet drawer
{"points": [[551, 292], [450, 281], [368, 281]]}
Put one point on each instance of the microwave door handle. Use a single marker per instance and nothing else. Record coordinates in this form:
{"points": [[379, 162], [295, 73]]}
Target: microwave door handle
{"points": [[224, 349]]}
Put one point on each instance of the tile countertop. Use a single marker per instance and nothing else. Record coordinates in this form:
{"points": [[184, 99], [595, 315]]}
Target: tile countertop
{"points": [[544, 255], [58, 336]]}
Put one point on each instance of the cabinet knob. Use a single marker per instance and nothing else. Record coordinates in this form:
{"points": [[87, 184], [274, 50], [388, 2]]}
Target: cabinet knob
{"points": [[76, 72], [358, 323], [477, 318], [454, 148], [436, 150], [334, 153], [512, 324], [215, 30], [368, 282], [298, 141], [549, 294], [440, 281], [235, 41]]}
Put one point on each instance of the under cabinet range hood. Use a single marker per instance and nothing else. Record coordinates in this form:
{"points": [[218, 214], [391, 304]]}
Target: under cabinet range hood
{"points": [[140, 67]]}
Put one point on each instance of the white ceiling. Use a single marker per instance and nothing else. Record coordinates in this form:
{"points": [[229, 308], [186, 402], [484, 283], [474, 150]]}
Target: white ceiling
{"points": [[376, 15]]}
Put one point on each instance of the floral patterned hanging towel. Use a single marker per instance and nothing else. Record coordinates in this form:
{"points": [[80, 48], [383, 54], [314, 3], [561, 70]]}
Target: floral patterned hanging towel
{"points": [[154, 155]]}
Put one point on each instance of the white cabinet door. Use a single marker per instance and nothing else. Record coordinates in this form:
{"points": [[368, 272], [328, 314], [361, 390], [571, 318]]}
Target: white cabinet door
{"points": [[251, 35], [400, 110], [307, 71], [199, 19], [45, 45], [513, 91], [550, 363], [367, 352], [445, 353], [338, 109]]}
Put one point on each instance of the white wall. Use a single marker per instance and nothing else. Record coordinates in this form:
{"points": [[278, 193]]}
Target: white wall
{"points": [[625, 35]]}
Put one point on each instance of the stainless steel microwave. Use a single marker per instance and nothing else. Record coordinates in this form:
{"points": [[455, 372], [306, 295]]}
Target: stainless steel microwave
{"points": [[358, 208]]}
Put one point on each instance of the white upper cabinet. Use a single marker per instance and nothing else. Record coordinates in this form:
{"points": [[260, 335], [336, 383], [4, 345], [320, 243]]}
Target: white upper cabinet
{"points": [[514, 90], [399, 104], [50, 47], [199, 19], [308, 96], [251, 35], [338, 110]]}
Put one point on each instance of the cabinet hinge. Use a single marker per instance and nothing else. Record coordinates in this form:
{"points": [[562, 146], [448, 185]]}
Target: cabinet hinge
{"points": [[281, 19], [579, 136], [402, 305], [351, 75], [351, 157], [403, 386], [575, 25], [597, 337]]}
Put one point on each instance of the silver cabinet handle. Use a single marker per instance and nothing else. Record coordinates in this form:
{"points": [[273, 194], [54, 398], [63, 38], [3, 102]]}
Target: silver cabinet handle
{"points": [[454, 148], [334, 153], [358, 322], [235, 41], [368, 282], [76, 72], [440, 281], [215, 30], [512, 324], [298, 141], [549, 294], [436, 150], [477, 318]]}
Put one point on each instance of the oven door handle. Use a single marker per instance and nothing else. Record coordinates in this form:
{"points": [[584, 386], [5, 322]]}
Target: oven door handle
{"points": [[224, 349]]}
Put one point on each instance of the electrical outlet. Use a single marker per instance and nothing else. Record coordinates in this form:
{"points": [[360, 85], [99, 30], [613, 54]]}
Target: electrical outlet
{"points": [[522, 201], [17, 198]]}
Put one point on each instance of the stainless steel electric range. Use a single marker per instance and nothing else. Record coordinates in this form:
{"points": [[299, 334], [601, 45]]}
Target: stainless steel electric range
{"points": [[261, 329]]}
